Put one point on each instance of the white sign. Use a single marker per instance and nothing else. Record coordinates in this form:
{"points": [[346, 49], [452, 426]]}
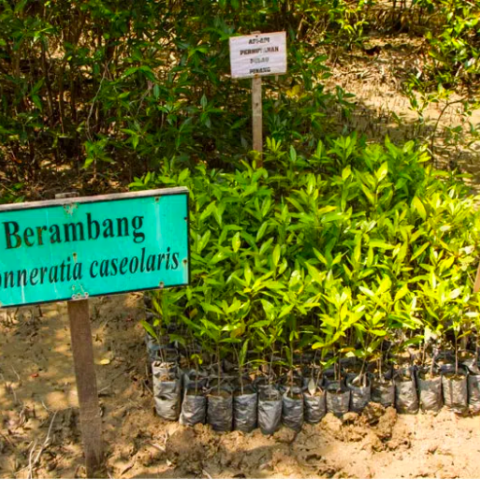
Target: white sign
{"points": [[258, 54]]}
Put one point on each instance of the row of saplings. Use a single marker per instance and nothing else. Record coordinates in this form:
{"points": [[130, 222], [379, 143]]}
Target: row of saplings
{"points": [[226, 401]]}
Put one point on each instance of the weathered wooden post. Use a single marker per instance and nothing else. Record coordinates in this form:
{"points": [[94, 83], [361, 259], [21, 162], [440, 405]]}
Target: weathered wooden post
{"points": [[254, 56], [84, 367]]}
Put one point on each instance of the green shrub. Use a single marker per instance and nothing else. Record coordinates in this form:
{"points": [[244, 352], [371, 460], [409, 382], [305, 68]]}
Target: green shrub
{"points": [[337, 253]]}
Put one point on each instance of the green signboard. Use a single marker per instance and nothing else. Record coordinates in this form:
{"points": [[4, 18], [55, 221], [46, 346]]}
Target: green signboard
{"points": [[75, 248]]}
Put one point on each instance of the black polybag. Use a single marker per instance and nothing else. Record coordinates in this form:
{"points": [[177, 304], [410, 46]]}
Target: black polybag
{"points": [[406, 397], [269, 409], [167, 390], [430, 392], [474, 393], [314, 400], [383, 392], [338, 398], [292, 409], [455, 389], [220, 410], [194, 408], [245, 411], [359, 395]]}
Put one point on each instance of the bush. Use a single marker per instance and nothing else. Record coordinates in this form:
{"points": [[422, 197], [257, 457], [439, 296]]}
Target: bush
{"points": [[350, 251]]}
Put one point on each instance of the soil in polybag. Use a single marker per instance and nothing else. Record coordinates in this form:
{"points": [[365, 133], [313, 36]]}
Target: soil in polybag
{"points": [[474, 393], [167, 390], [406, 397], [360, 391], [430, 390], [314, 400], [245, 409], [220, 410], [269, 409], [292, 408], [383, 392], [455, 389], [338, 398]]}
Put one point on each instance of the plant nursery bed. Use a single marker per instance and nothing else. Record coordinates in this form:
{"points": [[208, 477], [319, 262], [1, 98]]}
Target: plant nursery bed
{"points": [[39, 426]]}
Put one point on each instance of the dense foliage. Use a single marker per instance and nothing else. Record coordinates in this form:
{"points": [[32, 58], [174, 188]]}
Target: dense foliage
{"points": [[353, 250], [125, 83], [334, 246]]}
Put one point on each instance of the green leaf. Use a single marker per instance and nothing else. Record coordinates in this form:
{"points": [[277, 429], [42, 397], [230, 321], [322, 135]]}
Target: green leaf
{"points": [[419, 251], [236, 242], [261, 231], [149, 329], [314, 273], [247, 272], [220, 256], [382, 172], [401, 293], [418, 206], [276, 255], [286, 309], [380, 244], [269, 309]]}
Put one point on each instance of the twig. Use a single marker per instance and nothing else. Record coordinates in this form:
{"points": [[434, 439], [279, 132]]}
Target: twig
{"points": [[30, 464], [87, 123], [15, 372], [434, 133], [9, 441], [45, 444]]}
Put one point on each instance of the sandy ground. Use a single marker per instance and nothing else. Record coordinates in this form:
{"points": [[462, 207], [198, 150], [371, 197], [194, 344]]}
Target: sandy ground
{"points": [[38, 396], [382, 107]]}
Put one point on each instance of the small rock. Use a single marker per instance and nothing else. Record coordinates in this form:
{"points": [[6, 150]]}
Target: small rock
{"points": [[285, 435], [332, 423], [350, 417], [432, 448]]}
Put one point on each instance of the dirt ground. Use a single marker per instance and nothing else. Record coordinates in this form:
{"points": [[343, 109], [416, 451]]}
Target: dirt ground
{"points": [[39, 427], [382, 107]]}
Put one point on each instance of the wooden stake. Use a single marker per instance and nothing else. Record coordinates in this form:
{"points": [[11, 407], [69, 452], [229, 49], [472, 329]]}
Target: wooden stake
{"points": [[84, 366], [257, 120], [90, 421], [257, 127], [476, 286]]}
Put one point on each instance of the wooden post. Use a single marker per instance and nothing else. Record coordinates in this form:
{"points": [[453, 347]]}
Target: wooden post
{"points": [[476, 286], [257, 127], [257, 120], [84, 366], [90, 420]]}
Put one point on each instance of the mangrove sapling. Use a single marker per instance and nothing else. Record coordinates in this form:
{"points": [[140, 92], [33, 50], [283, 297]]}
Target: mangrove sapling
{"points": [[474, 374], [194, 405], [454, 381], [370, 331], [314, 395], [430, 384], [292, 402], [241, 360], [245, 398], [338, 317]]}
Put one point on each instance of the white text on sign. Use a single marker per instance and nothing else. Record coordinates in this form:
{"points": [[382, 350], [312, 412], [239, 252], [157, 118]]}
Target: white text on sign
{"points": [[259, 54]]}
